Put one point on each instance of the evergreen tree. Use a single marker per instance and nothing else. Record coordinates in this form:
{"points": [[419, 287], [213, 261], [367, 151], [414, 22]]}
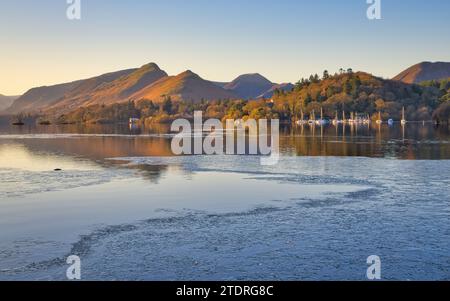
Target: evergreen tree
{"points": [[167, 105]]}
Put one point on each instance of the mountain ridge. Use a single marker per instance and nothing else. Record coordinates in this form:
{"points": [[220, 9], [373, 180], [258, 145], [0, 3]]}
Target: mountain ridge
{"points": [[249, 86], [184, 86], [285, 87], [424, 71], [116, 89], [42, 98], [149, 82], [145, 82], [6, 101]]}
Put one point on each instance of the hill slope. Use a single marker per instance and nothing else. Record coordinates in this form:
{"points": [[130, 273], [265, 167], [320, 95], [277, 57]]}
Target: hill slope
{"points": [[184, 86], [42, 98], [286, 87], [6, 101], [249, 86], [146, 82], [360, 92], [110, 88], [36, 99], [423, 72]]}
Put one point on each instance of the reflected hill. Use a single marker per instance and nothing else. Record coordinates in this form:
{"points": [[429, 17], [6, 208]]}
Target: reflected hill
{"points": [[97, 142]]}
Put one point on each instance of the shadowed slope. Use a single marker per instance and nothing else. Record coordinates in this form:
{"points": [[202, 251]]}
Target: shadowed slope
{"points": [[423, 72], [248, 86]]}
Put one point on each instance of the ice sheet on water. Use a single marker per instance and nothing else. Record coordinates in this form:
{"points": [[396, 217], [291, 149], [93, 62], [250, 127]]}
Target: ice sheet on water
{"points": [[17, 182], [331, 241], [316, 169], [403, 218]]}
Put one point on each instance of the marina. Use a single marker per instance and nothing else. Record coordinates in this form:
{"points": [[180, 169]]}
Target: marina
{"points": [[357, 119]]}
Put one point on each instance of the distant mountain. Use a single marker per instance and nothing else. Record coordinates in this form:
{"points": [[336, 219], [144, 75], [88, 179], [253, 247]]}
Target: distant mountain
{"points": [[423, 72], [110, 88], [249, 86], [42, 98], [221, 84], [286, 87], [146, 82], [254, 86], [6, 101], [184, 86], [38, 98]]}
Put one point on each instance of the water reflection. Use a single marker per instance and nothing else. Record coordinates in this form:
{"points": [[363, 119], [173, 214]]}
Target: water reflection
{"points": [[412, 141], [152, 173], [22, 156]]}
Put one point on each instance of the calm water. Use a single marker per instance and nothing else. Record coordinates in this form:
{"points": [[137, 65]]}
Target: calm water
{"points": [[131, 210]]}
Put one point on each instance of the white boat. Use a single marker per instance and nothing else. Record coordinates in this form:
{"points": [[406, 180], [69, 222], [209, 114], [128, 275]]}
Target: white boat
{"points": [[366, 120], [133, 120], [312, 118], [321, 121], [352, 118], [362, 119], [403, 121], [379, 120], [336, 119], [302, 121]]}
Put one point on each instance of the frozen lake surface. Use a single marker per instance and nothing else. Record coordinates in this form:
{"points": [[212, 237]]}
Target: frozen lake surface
{"points": [[139, 216]]}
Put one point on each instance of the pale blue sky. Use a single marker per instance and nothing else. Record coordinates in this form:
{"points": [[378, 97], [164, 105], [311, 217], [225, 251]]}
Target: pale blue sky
{"points": [[283, 40]]}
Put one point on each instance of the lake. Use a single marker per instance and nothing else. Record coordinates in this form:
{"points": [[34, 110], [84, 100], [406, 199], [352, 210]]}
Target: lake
{"points": [[133, 211]]}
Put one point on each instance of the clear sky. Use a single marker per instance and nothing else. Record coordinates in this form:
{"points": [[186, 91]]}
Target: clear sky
{"points": [[218, 39]]}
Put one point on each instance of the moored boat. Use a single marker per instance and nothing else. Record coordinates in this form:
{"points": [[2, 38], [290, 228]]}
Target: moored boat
{"points": [[379, 120], [403, 121]]}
